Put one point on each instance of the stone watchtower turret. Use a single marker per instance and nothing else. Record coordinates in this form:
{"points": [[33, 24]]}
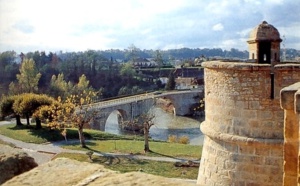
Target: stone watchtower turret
{"points": [[243, 125], [264, 44]]}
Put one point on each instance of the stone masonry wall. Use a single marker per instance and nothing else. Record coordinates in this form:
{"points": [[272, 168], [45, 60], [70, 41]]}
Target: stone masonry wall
{"points": [[243, 124], [290, 102]]}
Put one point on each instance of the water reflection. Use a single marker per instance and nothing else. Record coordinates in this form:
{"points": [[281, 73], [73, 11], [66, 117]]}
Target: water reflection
{"points": [[165, 124]]}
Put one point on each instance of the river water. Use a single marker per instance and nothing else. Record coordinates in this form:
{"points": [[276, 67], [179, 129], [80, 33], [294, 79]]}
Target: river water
{"points": [[165, 124]]}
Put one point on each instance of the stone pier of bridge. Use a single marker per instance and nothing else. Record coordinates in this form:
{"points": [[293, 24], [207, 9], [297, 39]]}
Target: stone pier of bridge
{"points": [[133, 106]]}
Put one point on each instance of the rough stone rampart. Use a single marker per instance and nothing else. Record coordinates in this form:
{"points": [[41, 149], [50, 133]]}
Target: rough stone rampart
{"points": [[244, 123], [290, 102]]}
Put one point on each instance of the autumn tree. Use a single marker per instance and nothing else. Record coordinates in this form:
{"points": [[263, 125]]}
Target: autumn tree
{"points": [[56, 115], [28, 78], [83, 113], [26, 104], [75, 111]]}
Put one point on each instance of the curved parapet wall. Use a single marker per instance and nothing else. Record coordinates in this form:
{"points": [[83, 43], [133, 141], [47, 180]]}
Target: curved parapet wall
{"points": [[244, 123]]}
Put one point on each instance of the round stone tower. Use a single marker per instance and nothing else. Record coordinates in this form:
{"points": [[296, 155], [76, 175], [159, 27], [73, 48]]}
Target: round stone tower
{"points": [[243, 128]]}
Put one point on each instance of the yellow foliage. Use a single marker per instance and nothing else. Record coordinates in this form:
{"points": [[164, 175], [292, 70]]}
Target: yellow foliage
{"points": [[172, 138], [184, 140]]}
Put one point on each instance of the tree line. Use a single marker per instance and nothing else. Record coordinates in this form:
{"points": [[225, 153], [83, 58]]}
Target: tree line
{"points": [[106, 76], [107, 70], [70, 105]]}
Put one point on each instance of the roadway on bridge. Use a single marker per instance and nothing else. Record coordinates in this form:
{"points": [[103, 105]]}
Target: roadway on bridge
{"points": [[152, 95]]}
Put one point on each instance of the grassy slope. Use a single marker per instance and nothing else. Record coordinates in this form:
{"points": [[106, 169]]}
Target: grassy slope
{"points": [[103, 142]]}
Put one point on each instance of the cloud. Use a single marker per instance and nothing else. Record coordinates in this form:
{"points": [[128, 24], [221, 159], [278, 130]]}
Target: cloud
{"points": [[218, 27], [92, 24], [24, 27]]}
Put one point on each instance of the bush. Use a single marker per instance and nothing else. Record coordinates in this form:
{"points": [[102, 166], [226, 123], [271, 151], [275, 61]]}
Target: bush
{"points": [[184, 140], [172, 139]]}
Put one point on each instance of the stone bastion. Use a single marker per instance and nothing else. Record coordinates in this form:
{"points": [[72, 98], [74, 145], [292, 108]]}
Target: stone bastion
{"points": [[243, 127]]}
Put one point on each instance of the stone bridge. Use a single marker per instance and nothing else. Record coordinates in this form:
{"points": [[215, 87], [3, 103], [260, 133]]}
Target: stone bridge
{"points": [[133, 106]]}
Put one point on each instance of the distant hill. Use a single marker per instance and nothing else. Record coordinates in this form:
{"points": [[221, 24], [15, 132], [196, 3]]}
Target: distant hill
{"points": [[188, 53]]}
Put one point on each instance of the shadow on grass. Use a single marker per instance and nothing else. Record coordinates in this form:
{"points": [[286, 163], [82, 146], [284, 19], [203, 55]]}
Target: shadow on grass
{"points": [[43, 133], [111, 159], [21, 127], [164, 155], [168, 156]]}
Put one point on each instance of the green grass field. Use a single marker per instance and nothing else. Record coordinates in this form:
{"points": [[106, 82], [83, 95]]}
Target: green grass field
{"points": [[102, 142], [123, 165]]}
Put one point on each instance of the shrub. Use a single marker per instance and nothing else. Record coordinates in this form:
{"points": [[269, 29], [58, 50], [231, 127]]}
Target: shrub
{"points": [[184, 140], [172, 138]]}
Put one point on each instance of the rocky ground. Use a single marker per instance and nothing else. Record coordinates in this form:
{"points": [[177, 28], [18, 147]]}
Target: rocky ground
{"points": [[20, 169], [66, 172]]}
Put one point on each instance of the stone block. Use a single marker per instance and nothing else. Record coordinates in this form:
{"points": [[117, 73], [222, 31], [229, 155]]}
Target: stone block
{"points": [[265, 114], [287, 96], [220, 162], [254, 105], [249, 114], [289, 180], [276, 152], [262, 152], [253, 123], [274, 161], [259, 160], [233, 112], [267, 125], [242, 105], [245, 150], [251, 183], [238, 122], [228, 165], [245, 167], [222, 153], [248, 176]]}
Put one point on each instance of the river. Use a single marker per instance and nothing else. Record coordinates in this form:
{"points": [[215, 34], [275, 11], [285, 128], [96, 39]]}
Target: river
{"points": [[165, 124]]}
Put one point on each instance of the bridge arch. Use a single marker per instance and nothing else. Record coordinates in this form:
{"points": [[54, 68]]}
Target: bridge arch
{"points": [[166, 103], [116, 116], [132, 106]]}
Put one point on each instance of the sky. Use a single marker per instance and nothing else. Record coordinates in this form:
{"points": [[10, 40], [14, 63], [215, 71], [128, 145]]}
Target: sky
{"points": [[79, 25]]}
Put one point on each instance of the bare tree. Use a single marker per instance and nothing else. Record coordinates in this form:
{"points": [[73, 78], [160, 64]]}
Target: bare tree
{"points": [[147, 124], [141, 123]]}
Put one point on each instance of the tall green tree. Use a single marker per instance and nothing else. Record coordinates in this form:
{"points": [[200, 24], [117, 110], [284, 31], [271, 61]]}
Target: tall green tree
{"points": [[83, 86], [59, 87], [6, 108], [127, 70], [132, 53], [8, 69], [158, 58], [171, 84], [29, 77]]}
